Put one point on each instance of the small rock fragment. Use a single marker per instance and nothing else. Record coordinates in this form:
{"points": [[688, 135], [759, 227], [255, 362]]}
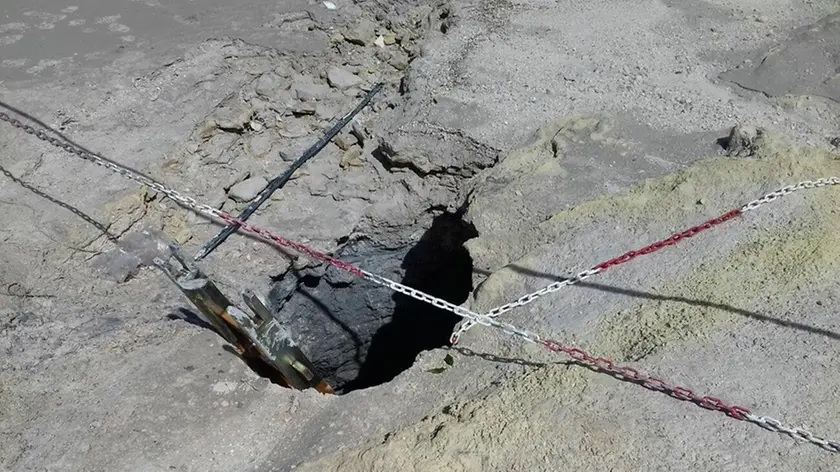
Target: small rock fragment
{"points": [[330, 5], [341, 78], [413, 160], [389, 39], [353, 92], [743, 141], [325, 112], [284, 69], [338, 278], [266, 85], [380, 41], [308, 91], [352, 158], [398, 61], [256, 126], [192, 148], [216, 197], [294, 149], [282, 101], [234, 118], [345, 141], [260, 145], [300, 173], [294, 128], [247, 190], [236, 178], [362, 33], [305, 108], [359, 132]]}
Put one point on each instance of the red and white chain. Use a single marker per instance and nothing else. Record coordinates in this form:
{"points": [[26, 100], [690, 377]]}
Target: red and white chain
{"points": [[577, 355], [524, 300], [629, 374]]}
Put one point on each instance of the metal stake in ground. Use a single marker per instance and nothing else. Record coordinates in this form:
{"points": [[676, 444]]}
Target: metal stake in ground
{"points": [[281, 180]]}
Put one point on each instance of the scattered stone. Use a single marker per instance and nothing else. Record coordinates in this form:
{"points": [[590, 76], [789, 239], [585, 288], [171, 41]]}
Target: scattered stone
{"points": [[743, 141], [294, 149], [233, 118], [293, 128], [236, 178], [413, 160], [192, 148], [260, 145], [266, 85], [352, 158], [359, 132], [325, 112], [398, 60], [330, 5], [368, 87], [216, 198], [389, 39], [206, 129], [380, 41], [247, 190], [341, 78], [305, 108], [345, 141], [284, 70], [256, 126], [257, 65], [282, 101], [308, 91], [353, 92], [338, 278], [300, 173], [362, 33]]}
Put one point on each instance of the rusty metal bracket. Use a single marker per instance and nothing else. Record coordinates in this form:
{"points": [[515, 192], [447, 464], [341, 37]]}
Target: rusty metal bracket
{"points": [[258, 335]]}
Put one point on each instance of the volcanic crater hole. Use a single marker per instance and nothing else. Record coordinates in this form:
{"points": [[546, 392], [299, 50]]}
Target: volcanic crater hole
{"points": [[359, 334]]}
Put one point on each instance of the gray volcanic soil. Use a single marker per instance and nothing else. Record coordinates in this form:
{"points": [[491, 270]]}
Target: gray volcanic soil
{"points": [[514, 143]]}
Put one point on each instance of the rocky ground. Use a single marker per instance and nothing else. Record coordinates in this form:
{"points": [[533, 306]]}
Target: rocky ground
{"points": [[514, 142]]}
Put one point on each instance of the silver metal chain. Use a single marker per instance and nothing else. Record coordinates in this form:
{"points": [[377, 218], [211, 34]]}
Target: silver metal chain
{"points": [[522, 301], [802, 434], [784, 191]]}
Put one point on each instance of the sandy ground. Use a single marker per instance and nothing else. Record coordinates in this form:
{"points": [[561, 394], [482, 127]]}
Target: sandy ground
{"points": [[631, 100]]}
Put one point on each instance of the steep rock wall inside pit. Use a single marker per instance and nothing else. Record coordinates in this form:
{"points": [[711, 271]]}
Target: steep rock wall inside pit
{"points": [[360, 334]]}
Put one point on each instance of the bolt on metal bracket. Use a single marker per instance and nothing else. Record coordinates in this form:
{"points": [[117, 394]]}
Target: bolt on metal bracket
{"points": [[258, 335]]}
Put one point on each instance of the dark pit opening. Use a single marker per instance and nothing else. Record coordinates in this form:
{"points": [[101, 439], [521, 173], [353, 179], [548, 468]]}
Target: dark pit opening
{"points": [[439, 265], [358, 334]]}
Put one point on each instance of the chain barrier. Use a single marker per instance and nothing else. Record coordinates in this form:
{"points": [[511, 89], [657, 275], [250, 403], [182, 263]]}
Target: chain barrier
{"points": [[629, 256], [577, 355], [629, 374], [796, 433]]}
